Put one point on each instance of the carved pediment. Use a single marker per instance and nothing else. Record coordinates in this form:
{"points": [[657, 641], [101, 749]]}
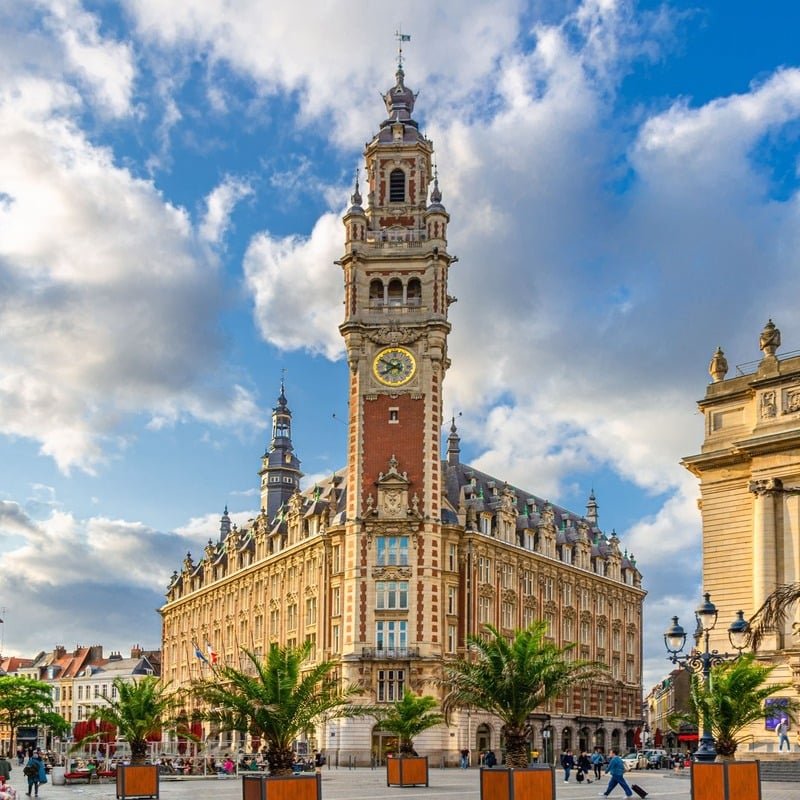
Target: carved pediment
{"points": [[393, 573]]}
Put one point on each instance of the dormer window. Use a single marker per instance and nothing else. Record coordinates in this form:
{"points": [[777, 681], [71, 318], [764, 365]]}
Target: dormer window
{"points": [[397, 186]]}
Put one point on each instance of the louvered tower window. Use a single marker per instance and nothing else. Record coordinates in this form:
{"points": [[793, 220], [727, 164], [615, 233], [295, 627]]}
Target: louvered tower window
{"points": [[397, 186]]}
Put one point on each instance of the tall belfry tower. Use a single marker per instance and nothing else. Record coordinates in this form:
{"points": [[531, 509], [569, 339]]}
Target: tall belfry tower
{"points": [[395, 330]]}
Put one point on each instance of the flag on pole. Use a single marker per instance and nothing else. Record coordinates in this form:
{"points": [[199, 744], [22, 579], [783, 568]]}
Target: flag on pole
{"points": [[405, 37], [211, 654], [199, 653]]}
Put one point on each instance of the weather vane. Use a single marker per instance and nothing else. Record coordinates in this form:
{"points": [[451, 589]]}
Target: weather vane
{"points": [[401, 37]]}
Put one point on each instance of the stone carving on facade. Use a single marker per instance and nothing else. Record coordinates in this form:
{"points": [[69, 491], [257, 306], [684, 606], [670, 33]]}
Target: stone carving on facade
{"points": [[394, 334], [486, 590], [791, 400], [766, 486], [769, 406], [508, 596], [393, 573]]}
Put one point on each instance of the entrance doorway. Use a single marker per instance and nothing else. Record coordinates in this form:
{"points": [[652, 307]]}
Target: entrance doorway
{"points": [[383, 743]]}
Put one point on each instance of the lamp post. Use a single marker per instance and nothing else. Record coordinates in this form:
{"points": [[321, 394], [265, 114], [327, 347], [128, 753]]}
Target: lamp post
{"points": [[695, 661]]}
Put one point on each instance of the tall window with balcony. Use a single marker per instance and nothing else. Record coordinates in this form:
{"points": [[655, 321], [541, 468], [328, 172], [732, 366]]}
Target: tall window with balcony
{"points": [[391, 634]]}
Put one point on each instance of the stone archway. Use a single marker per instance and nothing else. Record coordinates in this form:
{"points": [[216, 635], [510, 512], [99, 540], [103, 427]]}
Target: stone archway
{"points": [[616, 740], [566, 739], [584, 740], [383, 743], [600, 739], [483, 738]]}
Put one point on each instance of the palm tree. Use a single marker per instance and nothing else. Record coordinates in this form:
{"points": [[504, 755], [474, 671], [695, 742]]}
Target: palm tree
{"points": [[276, 700], [512, 679], [732, 700], [772, 614], [408, 717], [139, 710]]}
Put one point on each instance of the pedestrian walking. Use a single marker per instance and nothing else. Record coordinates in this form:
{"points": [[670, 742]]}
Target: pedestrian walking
{"points": [[616, 768], [597, 762], [464, 758], [35, 772], [568, 763], [5, 769], [584, 767]]}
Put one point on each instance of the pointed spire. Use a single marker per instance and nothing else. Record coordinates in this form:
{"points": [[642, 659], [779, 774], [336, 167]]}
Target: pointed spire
{"points": [[453, 445], [591, 510], [355, 198], [224, 525]]}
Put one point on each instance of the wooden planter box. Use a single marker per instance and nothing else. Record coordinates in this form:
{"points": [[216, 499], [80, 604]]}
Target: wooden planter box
{"points": [[726, 780], [407, 771], [137, 781], [281, 787], [532, 783]]}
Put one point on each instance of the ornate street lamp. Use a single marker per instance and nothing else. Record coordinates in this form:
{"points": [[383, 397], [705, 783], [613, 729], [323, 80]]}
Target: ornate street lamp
{"points": [[694, 662]]}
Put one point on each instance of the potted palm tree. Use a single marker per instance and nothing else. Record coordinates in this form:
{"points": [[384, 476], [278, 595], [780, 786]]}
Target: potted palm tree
{"points": [[276, 699], [407, 718], [732, 699], [511, 679], [138, 711]]}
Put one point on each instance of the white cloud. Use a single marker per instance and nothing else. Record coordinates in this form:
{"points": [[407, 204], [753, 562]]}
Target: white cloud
{"points": [[293, 281], [219, 206], [104, 66]]}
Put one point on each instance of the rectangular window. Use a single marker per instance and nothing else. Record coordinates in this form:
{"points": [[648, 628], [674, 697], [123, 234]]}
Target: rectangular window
{"points": [[391, 683], [391, 551], [391, 594], [394, 416], [528, 583], [336, 601], [566, 627], [451, 638], [485, 569], [311, 611], [274, 622], [528, 616], [507, 615], [335, 639], [484, 609], [452, 600], [391, 634], [566, 594], [452, 558], [291, 617], [336, 558], [601, 636], [548, 589]]}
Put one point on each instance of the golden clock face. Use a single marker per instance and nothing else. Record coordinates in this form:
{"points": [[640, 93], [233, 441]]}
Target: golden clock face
{"points": [[394, 366]]}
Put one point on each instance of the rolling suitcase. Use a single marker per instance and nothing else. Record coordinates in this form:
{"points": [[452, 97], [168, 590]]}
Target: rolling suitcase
{"points": [[638, 789]]}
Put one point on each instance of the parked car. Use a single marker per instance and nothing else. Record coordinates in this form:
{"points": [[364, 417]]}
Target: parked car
{"points": [[656, 758], [635, 761]]}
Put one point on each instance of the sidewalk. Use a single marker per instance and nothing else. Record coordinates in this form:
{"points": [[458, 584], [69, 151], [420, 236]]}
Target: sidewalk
{"points": [[369, 784]]}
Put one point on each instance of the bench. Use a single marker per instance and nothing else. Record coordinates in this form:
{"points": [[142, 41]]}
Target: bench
{"points": [[88, 775]]}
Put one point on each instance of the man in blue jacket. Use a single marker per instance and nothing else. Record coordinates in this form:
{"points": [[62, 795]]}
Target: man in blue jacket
{"points": [[616, 768]]}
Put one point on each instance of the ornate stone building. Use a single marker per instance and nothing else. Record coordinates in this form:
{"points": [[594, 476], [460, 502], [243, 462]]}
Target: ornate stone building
{"points": [[749, 472], [392, 561]]}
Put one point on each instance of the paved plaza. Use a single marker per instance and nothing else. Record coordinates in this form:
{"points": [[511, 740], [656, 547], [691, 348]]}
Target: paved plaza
{"points": [[445, 784]]}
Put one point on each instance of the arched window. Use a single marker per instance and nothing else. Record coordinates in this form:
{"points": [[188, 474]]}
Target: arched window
{"points": [[376, 292], [397, 186], [414, 292], [395, 294]]}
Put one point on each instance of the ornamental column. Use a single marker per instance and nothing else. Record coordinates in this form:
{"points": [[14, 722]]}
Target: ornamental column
{"points": [[765, 544]]}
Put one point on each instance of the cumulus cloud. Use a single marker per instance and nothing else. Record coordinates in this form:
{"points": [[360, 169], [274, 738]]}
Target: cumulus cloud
{"points": [[109, 305], [219, 205]]}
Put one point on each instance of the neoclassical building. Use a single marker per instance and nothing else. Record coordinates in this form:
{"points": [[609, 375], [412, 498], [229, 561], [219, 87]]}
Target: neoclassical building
{"points": [[392, 561], [749, 473]]}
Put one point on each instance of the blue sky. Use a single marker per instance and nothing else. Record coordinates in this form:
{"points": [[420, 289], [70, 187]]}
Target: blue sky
{"points": [[622, 180]]}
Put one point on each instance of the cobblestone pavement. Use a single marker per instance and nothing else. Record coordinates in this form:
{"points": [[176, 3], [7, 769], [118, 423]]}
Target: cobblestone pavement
{"points": [[369, 784]]}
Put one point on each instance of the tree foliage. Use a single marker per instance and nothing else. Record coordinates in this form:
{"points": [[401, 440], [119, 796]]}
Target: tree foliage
{"points": [[512, 679], [276, 699], [26, 701], [139, 711], [733, 699], [772, 614], [408, 717]]}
